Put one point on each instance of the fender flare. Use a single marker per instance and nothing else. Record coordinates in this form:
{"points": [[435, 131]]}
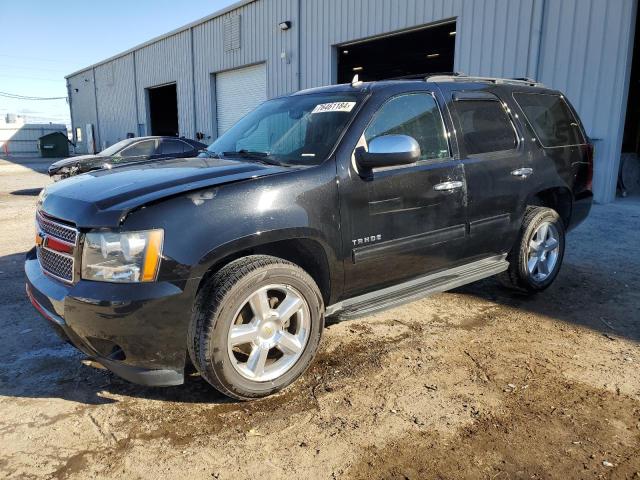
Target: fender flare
{"points": [[218, 254]]}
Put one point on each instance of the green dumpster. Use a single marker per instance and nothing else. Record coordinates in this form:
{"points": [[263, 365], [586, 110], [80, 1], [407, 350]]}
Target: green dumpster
{"points": [[55, 144]]}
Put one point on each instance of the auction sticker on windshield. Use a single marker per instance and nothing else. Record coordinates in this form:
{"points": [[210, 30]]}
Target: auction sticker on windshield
{"points": [[334, 107]]}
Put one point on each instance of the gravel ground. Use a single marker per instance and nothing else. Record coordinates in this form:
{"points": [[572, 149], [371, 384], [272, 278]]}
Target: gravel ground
{"points": [[474, 383]]}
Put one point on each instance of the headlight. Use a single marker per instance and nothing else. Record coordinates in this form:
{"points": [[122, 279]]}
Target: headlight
{"points": [[122, 257]]}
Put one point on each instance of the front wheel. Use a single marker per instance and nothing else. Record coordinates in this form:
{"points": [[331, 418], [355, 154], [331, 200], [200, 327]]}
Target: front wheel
{"points": [[536, 257], [256, 326]]}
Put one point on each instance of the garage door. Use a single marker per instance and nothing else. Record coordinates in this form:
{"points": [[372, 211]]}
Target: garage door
{"points": [[237, 93]]}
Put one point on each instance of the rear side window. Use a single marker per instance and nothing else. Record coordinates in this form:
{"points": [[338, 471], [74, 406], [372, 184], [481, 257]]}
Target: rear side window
{"points": [[140, 149], [485, 125], [170, 147], [551, 119], [416, 115]]}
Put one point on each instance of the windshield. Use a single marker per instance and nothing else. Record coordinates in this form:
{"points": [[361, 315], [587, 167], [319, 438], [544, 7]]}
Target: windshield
{"points": [[116, 147], [299, 129]]}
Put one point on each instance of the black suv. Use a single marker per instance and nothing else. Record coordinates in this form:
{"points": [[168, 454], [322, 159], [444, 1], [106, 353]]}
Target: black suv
{"points": [[340, 200]]}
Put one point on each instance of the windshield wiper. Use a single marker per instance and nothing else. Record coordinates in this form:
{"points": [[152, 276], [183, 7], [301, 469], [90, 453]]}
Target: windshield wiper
{"points": [[263, 157]]}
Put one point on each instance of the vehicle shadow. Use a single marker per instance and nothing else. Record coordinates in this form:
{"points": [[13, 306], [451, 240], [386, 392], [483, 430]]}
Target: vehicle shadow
{"points": [[31, 162], [27, 192], [581, 296]]}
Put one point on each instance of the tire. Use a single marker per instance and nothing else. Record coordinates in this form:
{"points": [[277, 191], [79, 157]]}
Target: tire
{"points": [[524, 274], [629, 177], [248, 301]]}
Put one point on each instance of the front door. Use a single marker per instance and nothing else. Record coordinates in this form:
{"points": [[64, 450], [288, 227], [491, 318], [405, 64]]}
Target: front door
{"points": [[401, 222]]}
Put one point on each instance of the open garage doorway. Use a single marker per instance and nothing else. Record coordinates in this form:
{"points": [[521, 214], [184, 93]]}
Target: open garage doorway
{"points": [[163, 110], [629, 177], [424, 50]]}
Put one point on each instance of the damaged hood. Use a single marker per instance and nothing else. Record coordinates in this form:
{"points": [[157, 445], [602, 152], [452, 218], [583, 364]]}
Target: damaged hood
{"points": [[71, 161], [104, 198]]}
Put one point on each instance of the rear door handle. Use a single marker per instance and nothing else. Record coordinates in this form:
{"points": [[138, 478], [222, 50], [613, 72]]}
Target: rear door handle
{"points": [[522, 172], [447, 186]]}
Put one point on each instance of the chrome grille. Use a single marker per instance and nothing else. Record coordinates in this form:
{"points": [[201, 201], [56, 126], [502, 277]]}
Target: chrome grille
{"points": [[56, 264], [56, 229]]}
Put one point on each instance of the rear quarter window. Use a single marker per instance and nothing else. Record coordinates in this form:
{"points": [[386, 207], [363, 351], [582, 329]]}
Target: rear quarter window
{"points": [[485, 126], [551, 119]]}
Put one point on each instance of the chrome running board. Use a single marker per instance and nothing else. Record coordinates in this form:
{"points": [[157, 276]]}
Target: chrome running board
{"points": [[418, 288]]}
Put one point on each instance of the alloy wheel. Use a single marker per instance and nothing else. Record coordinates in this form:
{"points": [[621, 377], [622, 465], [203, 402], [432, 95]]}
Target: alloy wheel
{"points": [[269, 333], [543, 251]]}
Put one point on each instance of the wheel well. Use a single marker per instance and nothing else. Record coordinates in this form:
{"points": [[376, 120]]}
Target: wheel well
{"points": [[307, 254], [559, 199]]}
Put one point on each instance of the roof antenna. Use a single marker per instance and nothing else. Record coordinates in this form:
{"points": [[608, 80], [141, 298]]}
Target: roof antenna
{"points": [[356, 82]]}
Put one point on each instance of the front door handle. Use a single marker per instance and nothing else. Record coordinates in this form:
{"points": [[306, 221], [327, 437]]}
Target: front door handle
{"points": [[447, 186], [522, 172]]}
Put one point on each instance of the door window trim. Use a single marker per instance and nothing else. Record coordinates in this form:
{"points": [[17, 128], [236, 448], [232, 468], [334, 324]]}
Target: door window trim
{"points": [[426, 161], [487, 97]]}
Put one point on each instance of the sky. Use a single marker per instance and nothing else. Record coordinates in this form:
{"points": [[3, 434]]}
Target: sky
{"points": [[41, 41]]}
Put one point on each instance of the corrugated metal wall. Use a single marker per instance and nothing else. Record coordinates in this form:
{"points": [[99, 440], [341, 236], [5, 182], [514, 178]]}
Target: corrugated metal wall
{"points": [[586, 52], [116, 98], [23, 137], [167, 61], [82, 105], [261, 41], [577, 46]]}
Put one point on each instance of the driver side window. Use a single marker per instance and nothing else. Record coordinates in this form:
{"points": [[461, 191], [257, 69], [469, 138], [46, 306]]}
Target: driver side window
{"points": [[416, 115]]}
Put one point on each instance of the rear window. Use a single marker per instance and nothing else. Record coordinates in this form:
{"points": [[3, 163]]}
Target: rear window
{"points": [[485, 126], [551, 119]]}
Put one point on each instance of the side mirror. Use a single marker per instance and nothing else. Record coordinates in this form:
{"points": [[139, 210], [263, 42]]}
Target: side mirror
{"points": [[388, 151]]}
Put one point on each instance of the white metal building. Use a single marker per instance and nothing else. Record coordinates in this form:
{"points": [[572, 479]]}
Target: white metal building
{"points": [[197, 80], [20, 138]]}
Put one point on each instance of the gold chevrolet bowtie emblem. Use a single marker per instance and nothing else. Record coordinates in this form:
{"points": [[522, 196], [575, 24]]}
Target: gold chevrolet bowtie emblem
{"points": [[39, 239]]}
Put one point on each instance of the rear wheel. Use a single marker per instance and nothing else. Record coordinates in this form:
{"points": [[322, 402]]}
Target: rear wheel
{"points": [[256, 326], [536, 257]]}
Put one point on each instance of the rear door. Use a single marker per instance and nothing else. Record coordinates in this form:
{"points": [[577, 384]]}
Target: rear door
{"points": [[564, 157], [401, 222], [497, 169]]}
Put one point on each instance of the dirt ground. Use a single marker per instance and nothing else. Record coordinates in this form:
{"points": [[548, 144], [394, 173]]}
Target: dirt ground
{"points": [[475, 383]]}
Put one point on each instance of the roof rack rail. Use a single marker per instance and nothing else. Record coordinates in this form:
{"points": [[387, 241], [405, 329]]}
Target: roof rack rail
{"points": [[424, 76], [496, 80], [459, 76]]}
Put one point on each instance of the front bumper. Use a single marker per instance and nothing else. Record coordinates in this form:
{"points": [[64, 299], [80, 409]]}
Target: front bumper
{"points": [[138, 331]]}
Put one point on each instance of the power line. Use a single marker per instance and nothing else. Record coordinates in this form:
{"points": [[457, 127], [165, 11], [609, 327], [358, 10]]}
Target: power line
{"points": [[23, 57], [26, 97], [24, 77], [4, 67]]}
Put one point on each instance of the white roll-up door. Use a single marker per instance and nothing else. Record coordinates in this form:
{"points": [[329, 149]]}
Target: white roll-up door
{"points": [[238, 92]]}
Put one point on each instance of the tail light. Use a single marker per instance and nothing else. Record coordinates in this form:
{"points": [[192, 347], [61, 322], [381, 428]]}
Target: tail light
{"points": [[589, 153]]}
